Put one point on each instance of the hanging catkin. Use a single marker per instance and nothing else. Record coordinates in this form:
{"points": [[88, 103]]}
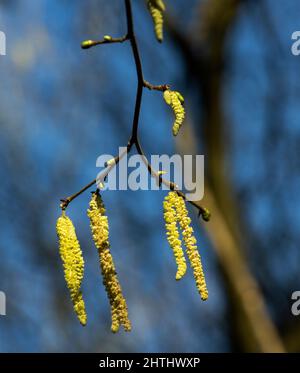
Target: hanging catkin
{"points": [[176, 101], [191, 246], [73, 263], [175, 212], [156, 9], [100, 233], [173, 234]]}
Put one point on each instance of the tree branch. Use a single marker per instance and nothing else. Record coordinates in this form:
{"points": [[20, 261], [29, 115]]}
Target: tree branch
{"points": [[134, 140]]}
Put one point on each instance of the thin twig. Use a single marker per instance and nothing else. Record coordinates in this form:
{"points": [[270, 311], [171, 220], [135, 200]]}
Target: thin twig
{"points": [[161, 87], [109, 166], [66, 201], [106, 40]]}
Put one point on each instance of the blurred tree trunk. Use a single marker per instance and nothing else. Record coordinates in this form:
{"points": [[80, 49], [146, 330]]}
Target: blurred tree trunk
{"points": [[204, 54]]}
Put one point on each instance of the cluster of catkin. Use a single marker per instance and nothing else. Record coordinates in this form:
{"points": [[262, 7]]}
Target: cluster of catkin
{"points": [[177, 222], [73, 263], [175, 211], [176, 217]]}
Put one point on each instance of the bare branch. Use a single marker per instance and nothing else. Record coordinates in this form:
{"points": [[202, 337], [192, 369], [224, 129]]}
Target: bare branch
{"points": [[134, 140]]}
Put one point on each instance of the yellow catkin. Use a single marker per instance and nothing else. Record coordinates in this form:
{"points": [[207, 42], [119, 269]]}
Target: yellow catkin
{"points": [[191, 246], [173, 234], [176, 101], [100, 233], [156, 9], [73, 263]]}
